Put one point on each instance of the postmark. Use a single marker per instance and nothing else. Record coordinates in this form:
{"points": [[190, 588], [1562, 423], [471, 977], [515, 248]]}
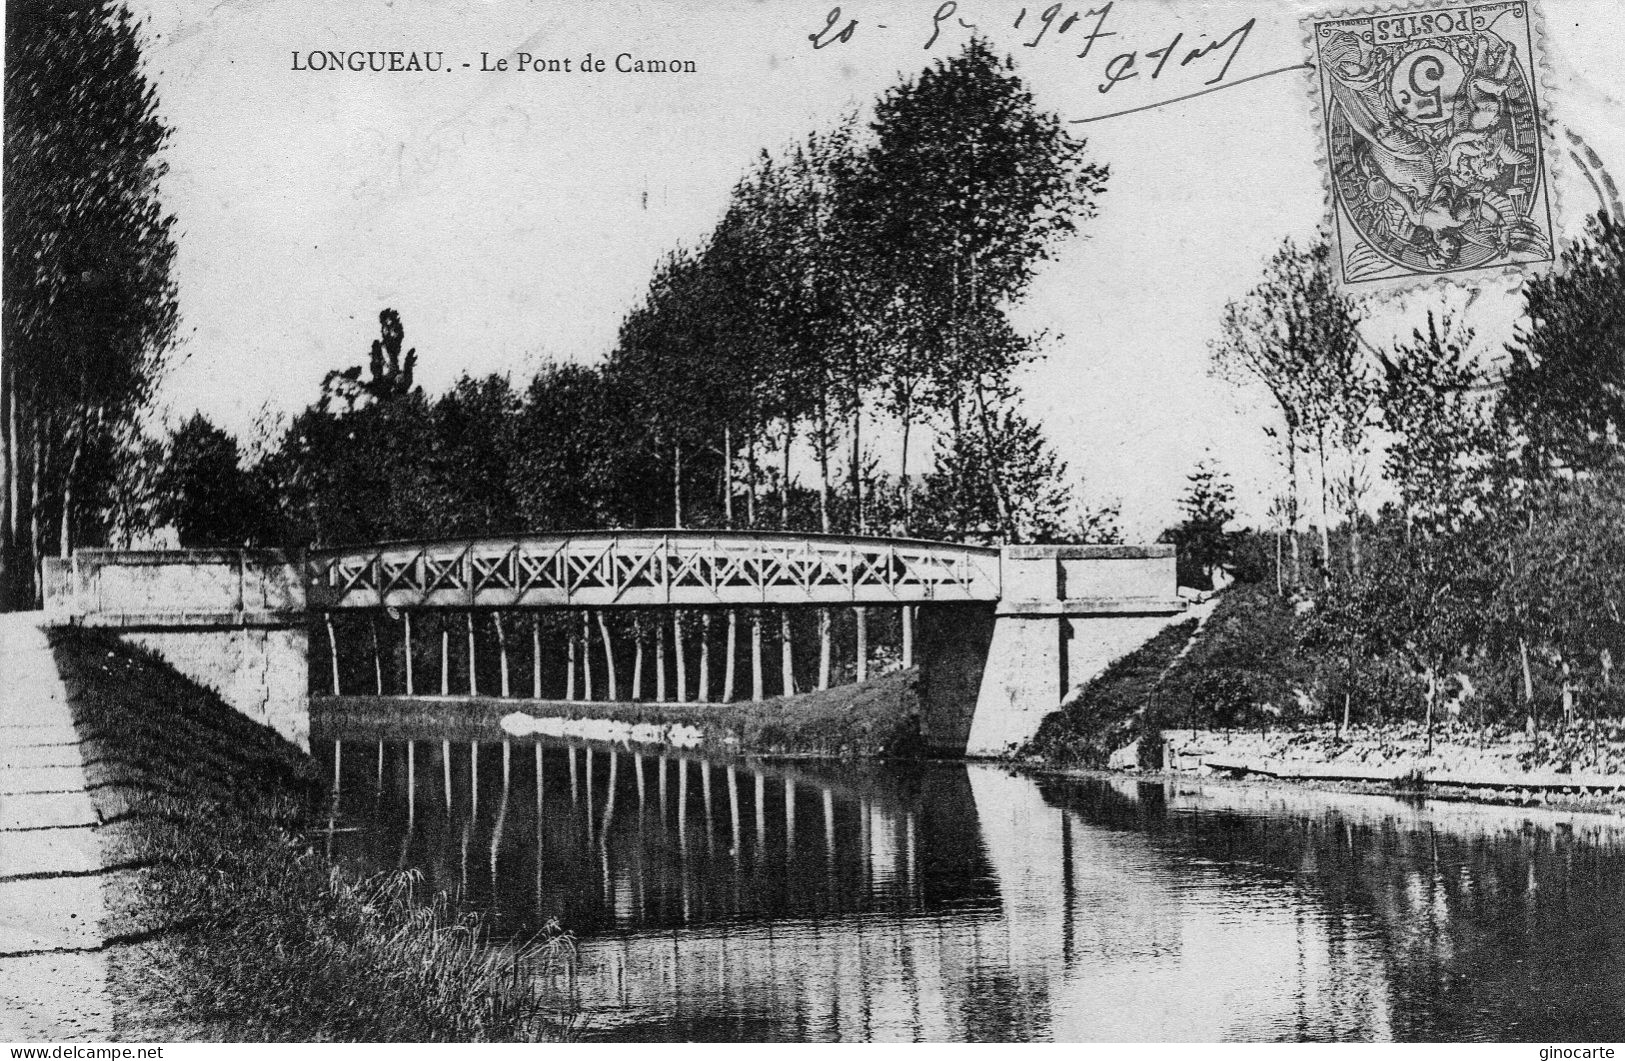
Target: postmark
{"points": [[1433, 141]]}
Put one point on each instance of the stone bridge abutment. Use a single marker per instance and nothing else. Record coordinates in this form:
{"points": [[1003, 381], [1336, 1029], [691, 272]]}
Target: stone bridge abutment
{"points": [[232, 620]]}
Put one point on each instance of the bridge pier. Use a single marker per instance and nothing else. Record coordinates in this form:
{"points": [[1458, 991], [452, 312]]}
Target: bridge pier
{"points": [[730, 654], [1065, 613], [536, 658], [757, 688], [787, 667], [406, 650], [862, 614], [502, 655], [824, 653], [703, 695], [586, 659], [680, 656], [663, 683]]}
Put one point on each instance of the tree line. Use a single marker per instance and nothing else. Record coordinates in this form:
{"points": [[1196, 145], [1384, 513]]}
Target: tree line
{"points": [[1492, 564], [89, 311], [850, 306], [849, 309]]}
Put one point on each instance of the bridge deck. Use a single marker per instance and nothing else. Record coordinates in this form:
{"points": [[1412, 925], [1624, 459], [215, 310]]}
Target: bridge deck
{"points": [[622, 569]]}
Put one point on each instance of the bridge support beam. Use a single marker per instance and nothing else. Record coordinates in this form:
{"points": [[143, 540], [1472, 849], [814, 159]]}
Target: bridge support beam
{"points": [[536, 657], [1066, 613], [862, 660], [787, 663], [660, 662], [824, 646], [680, 656], [756, 686], [730, 661], [613, 687], [703, 695], [406, 646]]}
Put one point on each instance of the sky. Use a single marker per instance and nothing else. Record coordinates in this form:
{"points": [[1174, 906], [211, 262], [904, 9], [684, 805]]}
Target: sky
{"points": [[513, 218]]}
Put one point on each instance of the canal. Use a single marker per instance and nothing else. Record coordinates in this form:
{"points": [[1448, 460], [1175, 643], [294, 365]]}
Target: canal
{"points": [[781, 900]]}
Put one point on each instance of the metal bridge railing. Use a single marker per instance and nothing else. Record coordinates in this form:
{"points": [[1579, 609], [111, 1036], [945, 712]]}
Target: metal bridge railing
{"points": [[607, 569]]}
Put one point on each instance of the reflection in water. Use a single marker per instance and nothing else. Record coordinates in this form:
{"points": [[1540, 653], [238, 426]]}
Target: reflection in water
{"points": [[767, 901]]}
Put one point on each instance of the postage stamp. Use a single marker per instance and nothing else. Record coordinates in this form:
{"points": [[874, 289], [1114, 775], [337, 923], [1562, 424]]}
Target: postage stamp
{"points": [[1433, 141]]}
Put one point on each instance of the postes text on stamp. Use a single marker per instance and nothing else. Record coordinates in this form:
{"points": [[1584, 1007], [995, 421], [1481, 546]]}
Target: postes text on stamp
{"points": [[1433, 141]]}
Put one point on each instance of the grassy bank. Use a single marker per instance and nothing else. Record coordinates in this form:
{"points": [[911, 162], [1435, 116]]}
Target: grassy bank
{"points": [[1252, 688], [879, 718], [235, 927]]}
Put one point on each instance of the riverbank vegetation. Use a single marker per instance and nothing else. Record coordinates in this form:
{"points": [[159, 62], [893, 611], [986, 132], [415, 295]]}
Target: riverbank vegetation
{"points": [[242, 930], [1462, 564]]}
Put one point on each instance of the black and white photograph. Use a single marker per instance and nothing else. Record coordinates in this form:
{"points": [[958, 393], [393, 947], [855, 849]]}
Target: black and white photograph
{"points": [[785, 521]]}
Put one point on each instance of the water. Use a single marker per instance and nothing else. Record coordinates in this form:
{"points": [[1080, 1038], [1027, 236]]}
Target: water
{"points": [[812, 901]]}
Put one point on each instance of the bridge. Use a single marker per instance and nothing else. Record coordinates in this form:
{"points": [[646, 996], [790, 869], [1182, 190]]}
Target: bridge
{"points": [[999, 635], [678, 568]]}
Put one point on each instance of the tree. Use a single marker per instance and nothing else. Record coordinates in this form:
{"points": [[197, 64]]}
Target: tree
{"points": [[471, 459], [967, 187], [204, 492], [1565, 388], [957, 498], [1293, 335], [90, 307], [369, 460], [569, 467], [1446, 445], [131, 499], [1204, 546], [1561, 582], [1353, 405], [1426, 601], [389, 376]]}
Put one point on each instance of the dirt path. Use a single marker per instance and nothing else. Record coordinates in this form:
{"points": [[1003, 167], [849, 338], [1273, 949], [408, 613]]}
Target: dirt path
{"points": [[53, 965]]}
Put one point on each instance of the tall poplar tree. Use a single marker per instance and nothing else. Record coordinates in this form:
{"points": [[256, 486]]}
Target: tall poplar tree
{"points": [[967, 188], [1293, 335], [89, 304]]}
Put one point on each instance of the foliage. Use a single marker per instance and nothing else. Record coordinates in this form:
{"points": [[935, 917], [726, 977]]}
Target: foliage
{"points": [[562, 474], [858, 276], [1565, 388], [1496, 570], [1294, 335], [966, 188], [1204, 545], [203, 490], [89, 310], [389, 376], [956, 499], [1443, 459]]}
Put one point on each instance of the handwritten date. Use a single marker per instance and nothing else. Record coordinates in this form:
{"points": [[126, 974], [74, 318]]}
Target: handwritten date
{"points": [[1059, 25]]}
